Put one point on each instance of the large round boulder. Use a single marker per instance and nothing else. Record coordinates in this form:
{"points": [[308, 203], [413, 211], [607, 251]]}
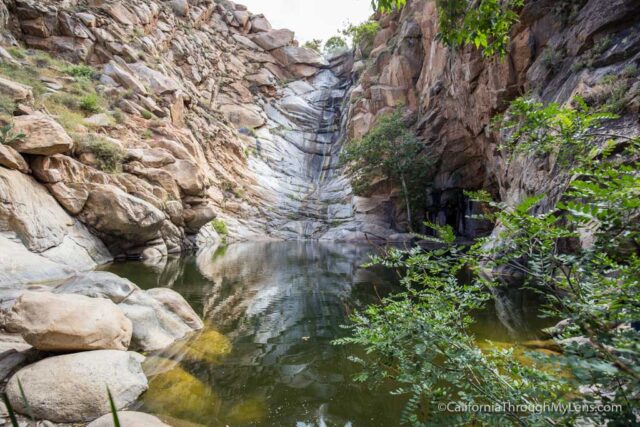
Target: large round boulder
{"points": [[73, 388], [69, 322]]}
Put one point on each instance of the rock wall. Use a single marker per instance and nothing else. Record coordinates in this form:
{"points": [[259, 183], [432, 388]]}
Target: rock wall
{"points": [[559, 49]]}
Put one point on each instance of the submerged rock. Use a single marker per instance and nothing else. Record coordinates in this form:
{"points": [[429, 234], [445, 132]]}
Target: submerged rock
{"points": [[128, 418], [73, 388], [179, 394], [68, 322], [159, 322]]}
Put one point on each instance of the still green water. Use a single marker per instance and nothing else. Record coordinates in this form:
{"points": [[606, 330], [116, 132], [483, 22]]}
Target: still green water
{"points": [[265, 357]]}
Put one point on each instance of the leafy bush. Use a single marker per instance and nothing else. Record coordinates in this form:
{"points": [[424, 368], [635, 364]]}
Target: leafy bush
{"points": [[80, 71], [485, 24], [551, 59], [313, 44], [147, 115], [362, 35], [530, 126], [220, 227], [335, 44], [109, 155], [388, 5], [90, 103], [421, 339], [390, 151], [8, 136]]}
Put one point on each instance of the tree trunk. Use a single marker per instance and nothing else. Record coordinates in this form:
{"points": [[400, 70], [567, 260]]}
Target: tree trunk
{"points": [[406, 200]]}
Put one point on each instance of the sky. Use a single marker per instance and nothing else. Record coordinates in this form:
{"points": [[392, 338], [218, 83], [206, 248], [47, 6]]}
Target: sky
{"points": [[311, 19]]}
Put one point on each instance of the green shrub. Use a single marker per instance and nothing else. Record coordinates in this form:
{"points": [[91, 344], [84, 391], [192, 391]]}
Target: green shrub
{"points": [[80, 71], [551, 59], [7, 135], [90, 103], [220, 227], [335, 44], [16, 52], [313, 44], [109, 155], [388, 5], [147, 115], [362, 35]]}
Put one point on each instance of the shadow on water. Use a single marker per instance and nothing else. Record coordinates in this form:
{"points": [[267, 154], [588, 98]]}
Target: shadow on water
{"points": [[272, 310]]}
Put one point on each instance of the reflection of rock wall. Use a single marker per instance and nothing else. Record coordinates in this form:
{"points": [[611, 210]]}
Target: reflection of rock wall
{"points": [[280, 284]]}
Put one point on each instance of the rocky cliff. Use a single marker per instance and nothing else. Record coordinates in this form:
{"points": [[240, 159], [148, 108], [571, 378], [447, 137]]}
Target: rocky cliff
{"points": [[189, 111], [177, 113], [560, 49]]}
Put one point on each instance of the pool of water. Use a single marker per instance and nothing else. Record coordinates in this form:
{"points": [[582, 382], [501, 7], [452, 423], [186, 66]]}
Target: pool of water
{"points": [[265, 357]]}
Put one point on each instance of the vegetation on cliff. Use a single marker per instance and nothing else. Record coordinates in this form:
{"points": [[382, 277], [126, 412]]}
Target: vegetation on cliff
{"points": [[389, 151]]}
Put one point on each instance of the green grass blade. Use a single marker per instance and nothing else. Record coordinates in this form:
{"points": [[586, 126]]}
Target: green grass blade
{"points": [[12, 415], [114, 410], [26, 402]]}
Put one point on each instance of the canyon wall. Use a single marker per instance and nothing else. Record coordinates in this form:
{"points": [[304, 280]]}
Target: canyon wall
{"points": [[559, 49]]}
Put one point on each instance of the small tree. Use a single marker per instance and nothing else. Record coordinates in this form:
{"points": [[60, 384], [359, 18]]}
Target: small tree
{"points": [[314, 44], [362, 35], [390, 151], [335, 44]]}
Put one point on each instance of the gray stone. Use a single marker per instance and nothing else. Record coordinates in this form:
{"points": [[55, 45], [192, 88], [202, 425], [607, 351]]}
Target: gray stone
{"points": [[73, 388]]}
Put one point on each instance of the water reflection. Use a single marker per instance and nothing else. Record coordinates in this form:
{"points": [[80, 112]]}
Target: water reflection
{"points": [[265, 358]]}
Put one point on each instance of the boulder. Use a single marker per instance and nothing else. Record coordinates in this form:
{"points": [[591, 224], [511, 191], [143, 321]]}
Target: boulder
{"points": [[159, 322], [98, 284], [16, 91], [10, 158], [159, 83], [52, 322], [43, 135], [180, 7], [123, 75], [198, 216], [73, 388], [289, 55], [246, 115], [273, 39], [260, 24], [115, 213], [128, 418], [188, 175], [175, 303]]}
